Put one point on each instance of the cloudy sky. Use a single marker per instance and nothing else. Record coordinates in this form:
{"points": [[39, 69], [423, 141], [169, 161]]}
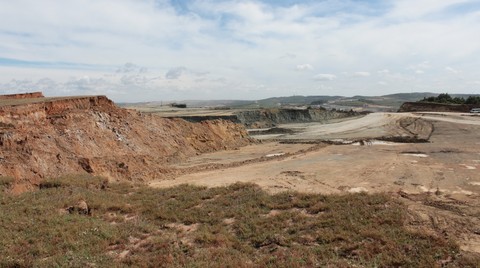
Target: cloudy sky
{"points": [[141, 50]]}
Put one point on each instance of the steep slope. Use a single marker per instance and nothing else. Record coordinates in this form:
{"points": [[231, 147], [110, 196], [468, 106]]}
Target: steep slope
{"points": [[44, 137], [271, 117]]}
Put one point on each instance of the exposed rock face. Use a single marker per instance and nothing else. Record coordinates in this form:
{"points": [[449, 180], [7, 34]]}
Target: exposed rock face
{"points": [[52, 137], [272, 117], [434, 107]]}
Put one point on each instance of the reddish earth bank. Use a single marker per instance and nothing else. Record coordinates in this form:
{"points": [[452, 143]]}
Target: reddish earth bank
{"points": [[22, 96], [435, 107], [49, 137]]}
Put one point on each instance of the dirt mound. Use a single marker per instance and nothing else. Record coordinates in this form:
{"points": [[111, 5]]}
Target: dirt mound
{"points": [[410, 130], [434, 107], [41, 138]]}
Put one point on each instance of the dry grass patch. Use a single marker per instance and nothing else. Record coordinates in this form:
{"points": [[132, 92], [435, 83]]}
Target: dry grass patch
{"points": [[188, 226]]}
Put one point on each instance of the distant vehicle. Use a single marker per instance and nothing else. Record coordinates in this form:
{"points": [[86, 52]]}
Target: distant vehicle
{"points": [[475, 110]]}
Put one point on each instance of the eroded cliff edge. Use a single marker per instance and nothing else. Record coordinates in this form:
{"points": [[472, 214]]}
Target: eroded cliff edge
{"points": [[50, 137], [266, 118]]}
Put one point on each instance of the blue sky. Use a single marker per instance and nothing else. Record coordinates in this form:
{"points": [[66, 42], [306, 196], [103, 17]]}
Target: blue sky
{"points": [[141, 50]]}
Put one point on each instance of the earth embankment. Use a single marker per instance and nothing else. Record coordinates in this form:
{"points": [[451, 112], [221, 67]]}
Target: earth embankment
{"points": [[434, 107]]}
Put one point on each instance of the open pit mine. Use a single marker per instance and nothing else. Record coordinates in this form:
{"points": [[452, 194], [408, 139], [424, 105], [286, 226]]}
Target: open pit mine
{"points": [[428, 160]]}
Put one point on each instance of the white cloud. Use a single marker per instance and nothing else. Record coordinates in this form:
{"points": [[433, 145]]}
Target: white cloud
{"points": [[451, 70], [424, 65], [325, 77], [175, 73], [411, 9], [131, 68], [304, 67], [420, 68], [288, 56], [361, 74], [383, 72], [262, 40]]}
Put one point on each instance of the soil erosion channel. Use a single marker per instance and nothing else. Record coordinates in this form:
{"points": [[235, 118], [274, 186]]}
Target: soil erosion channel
{"points": [[438, 179]]}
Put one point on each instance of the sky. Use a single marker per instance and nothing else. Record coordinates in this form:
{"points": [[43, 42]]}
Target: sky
{"points": [[160, 50]]}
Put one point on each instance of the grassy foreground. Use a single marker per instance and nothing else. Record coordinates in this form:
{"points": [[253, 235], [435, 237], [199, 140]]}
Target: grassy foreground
{"points": [[187, 226]]}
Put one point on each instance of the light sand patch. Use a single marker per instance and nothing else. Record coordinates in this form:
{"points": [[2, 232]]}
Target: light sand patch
{"points": [[274, 155], [183, 227], [468, 167], [416, 155], [423, 188], [357, 190], [462, 191], [229, 221]]}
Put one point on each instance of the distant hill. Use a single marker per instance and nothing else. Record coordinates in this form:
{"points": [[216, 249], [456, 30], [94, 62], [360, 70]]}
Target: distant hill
{"points": [[295, 100], [374, 103], [390, 102], [410, 96]]}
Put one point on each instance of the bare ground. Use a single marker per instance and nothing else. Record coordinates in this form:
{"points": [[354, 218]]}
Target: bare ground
{"points": [[438, 180]]}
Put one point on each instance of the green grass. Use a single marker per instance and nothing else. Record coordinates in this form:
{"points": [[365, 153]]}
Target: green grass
{"points": [[187, 226]]}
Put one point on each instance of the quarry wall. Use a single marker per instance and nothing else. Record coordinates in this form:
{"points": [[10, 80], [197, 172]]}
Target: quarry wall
{"points": [[272, 117], [51, 137]]}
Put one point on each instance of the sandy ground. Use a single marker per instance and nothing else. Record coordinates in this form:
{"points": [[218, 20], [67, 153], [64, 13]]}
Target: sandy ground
{"points": [[443, 172]]}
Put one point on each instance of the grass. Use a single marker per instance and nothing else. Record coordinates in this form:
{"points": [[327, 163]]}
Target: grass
{"points": [[188, 226]]}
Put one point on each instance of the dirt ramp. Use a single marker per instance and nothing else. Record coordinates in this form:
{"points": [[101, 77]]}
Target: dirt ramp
{"points": [[414, 128]]}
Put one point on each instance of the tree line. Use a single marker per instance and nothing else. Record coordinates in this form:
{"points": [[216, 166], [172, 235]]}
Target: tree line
{"points": [[446, 98]]}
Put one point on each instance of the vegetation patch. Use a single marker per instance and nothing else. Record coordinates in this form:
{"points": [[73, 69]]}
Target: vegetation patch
{"points": [[6, 125], [188, 226], [447, 99], [403, 139], [274, 130], [6, 183]]}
